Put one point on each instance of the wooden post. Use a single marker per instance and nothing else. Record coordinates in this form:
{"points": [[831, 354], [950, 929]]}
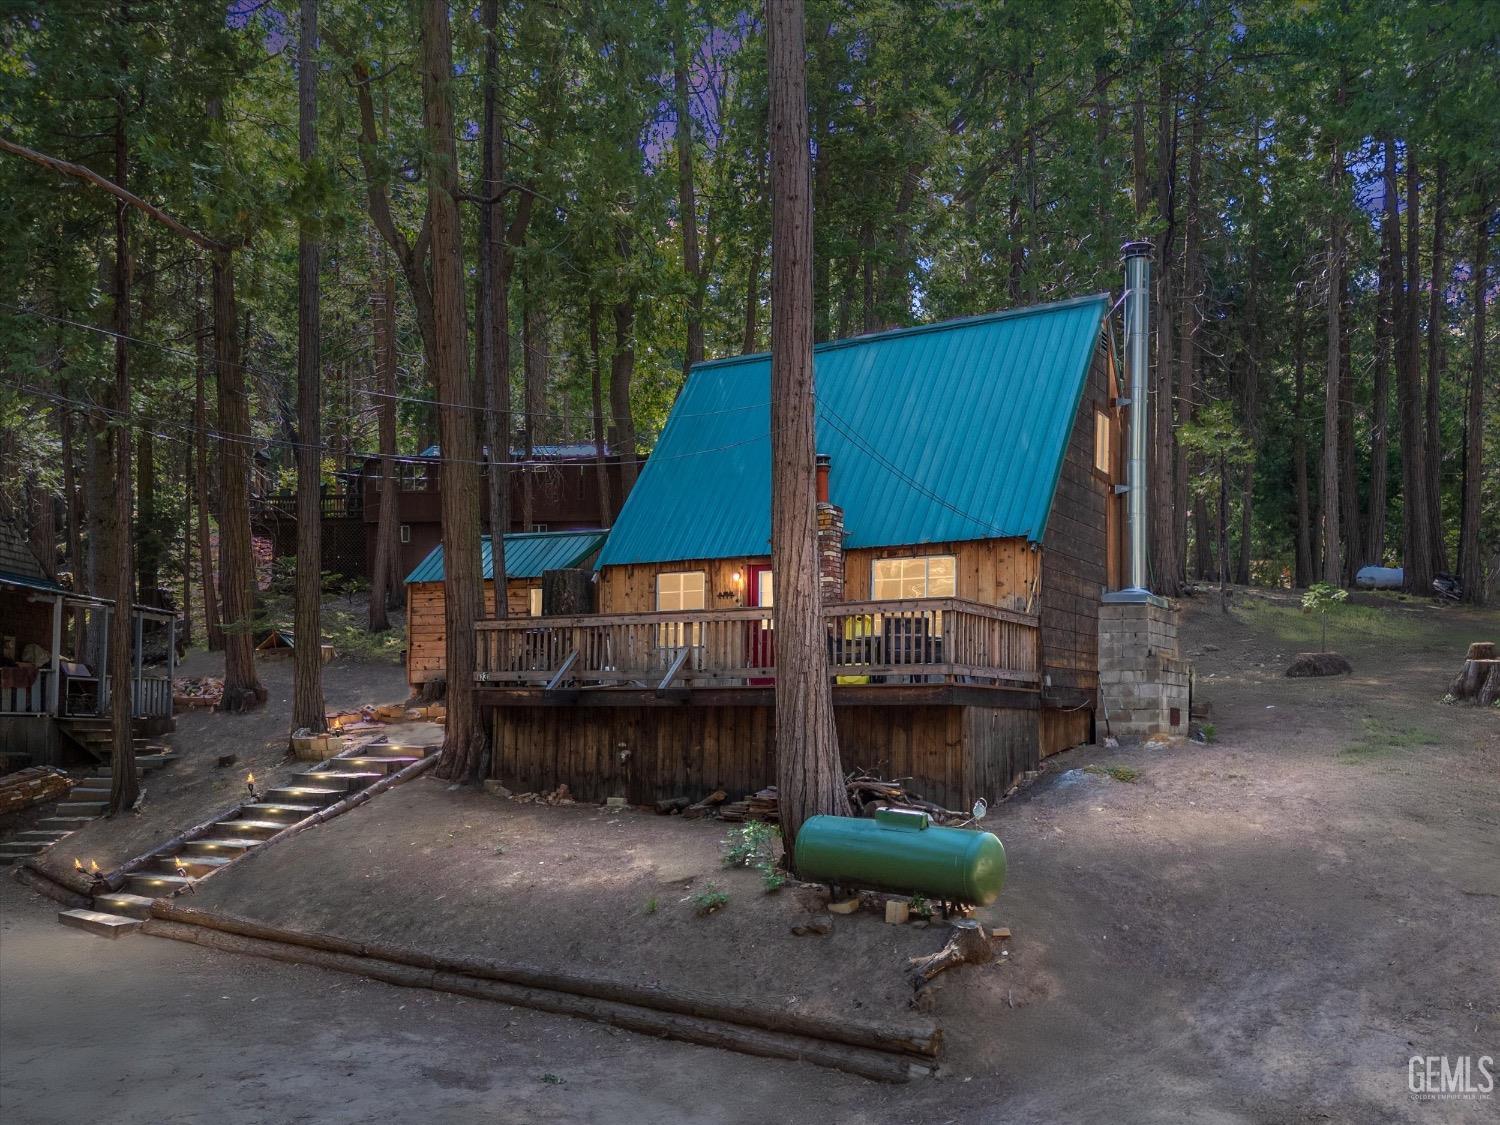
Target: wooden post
{"points": [[56, 685], [138, 664], [171, 659]]}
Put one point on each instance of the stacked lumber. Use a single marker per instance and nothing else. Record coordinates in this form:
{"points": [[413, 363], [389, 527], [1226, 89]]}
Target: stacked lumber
{"points": [[32, 786], [734, 811]]}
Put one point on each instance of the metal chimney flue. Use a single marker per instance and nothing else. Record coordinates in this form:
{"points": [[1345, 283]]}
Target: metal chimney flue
{"points": [[1137, 257]]}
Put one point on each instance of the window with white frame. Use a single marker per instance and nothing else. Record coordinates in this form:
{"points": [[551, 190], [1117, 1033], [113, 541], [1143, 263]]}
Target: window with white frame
{"points": [[930, 576], [406, 533], [681, 589], [1101, 442], [536, 601]]}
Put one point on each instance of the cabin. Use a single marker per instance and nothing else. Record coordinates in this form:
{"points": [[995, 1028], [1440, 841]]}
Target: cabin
{"points": [[527, 557], [54, 690], [563, 480], [968, 524]]}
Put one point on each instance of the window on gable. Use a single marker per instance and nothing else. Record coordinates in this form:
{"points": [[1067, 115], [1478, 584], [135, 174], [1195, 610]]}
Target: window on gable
{"points": [[931, 576], [1102, 459]]}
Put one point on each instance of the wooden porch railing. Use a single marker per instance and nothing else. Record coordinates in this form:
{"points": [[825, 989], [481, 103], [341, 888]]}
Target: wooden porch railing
{"points": [[150, 698], [32, 700], [931, 640]]}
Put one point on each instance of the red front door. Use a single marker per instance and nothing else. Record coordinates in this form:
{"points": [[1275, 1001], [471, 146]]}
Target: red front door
{"points": [[759, 592]]}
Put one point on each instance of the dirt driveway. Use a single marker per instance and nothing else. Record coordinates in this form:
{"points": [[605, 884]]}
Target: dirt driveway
{"points": [[1263, 928]]}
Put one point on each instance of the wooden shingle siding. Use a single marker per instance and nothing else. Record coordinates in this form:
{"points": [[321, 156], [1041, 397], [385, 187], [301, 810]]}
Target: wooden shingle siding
{"points": [[1075, 557]]}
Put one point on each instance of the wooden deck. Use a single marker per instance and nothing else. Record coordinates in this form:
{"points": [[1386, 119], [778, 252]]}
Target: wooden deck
{"points": [[885, 644]]}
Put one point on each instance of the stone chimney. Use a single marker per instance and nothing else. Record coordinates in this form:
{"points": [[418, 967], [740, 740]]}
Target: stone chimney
{"points": [[830, 540]]}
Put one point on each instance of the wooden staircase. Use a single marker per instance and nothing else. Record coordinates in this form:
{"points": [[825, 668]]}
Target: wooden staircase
{"points": [[85, 802], [95, 736], [240, 833]]}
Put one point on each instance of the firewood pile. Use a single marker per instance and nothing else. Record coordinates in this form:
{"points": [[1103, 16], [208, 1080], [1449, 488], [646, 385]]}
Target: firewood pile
{"points": [[372, 716], [24, 788], [196, 692], [865, 794], [559, 796]]}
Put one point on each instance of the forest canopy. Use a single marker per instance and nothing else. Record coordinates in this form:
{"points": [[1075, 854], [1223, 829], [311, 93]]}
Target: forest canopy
{"points": [[1318, 180]]}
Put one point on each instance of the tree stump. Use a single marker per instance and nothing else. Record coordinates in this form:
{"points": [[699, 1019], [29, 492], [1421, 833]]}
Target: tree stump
{"points": [[1479, 682], [967, 945]]}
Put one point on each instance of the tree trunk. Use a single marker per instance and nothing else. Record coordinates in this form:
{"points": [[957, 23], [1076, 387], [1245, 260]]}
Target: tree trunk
{"points": [[213, 629], [809, 778], [185, 632], [385, 574], [70, 489], [124, 787], [463, 740], [621, 368], [1470, 561], [1304, 566], [1166, 531], [242, 688], [596, 381], [1333, 567], [307, 658], [751, 339], [148, 539], [533, 393], [1352, 537], [492, 309], [1436, 326], [1380, 406], [1417, 535], [687, 204]]}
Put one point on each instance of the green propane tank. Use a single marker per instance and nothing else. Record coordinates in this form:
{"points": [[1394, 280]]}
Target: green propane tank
{"points": [[900, 851]]}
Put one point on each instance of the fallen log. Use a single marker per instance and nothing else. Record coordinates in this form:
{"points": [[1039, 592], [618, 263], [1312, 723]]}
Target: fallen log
{"points": [[44, 884], [922, 1039], [867, 1063]]}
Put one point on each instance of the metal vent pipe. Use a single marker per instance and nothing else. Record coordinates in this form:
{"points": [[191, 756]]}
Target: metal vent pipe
{"points": [[1137, 371]]}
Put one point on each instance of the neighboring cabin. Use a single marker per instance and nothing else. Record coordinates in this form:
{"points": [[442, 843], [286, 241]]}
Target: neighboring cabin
{"points": [[54, 693], [527, 556], [968, 526]]}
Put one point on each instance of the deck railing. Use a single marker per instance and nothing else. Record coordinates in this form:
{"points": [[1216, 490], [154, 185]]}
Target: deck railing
{"points": [[150, 698], [929, 640], [31, 700]]}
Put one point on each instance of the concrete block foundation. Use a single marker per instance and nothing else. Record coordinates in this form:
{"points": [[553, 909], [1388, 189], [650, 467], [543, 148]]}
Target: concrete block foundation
{"points": [[1144, 684]]}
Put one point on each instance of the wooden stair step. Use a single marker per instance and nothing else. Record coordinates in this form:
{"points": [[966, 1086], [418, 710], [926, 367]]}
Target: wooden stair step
{"points": [[243, 828], [65, 823], [389, 764], [335, 777], [304, 793], [124, 903], [92, 809], [97, 922], [12, 852], [44, 836], [274, 810], [220, 845], [195, 865], [156, 882]]}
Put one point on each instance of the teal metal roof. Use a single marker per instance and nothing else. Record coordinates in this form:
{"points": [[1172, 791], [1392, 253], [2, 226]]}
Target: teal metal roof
{"points": [[527, 554], [938, 433]]}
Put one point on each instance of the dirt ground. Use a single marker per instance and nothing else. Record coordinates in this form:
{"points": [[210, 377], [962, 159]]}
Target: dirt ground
{"points": [[193, 787], [1261, 928]]}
